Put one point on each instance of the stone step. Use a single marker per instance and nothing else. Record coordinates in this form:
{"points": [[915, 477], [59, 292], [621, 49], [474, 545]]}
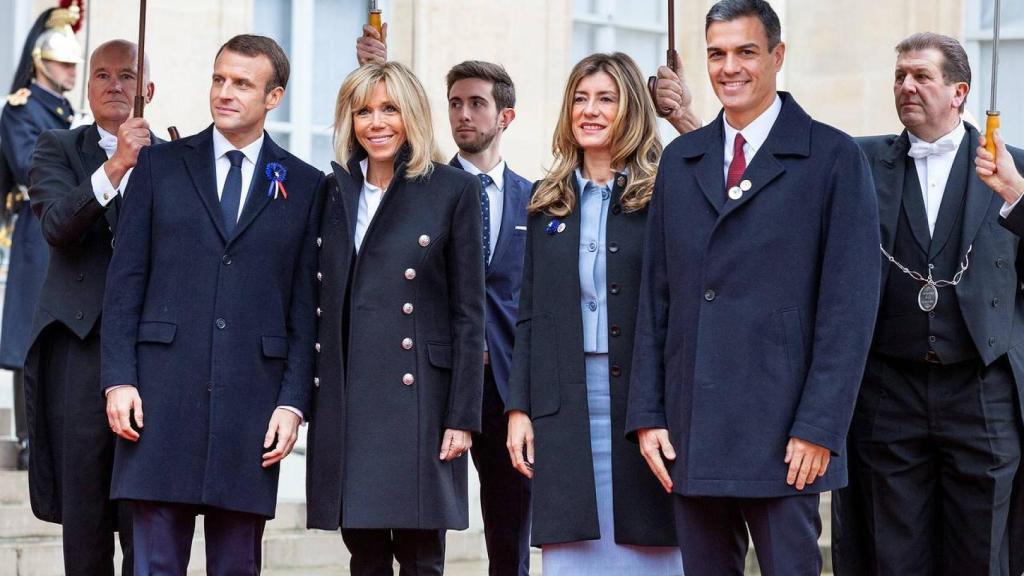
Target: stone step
{"points": [[13, 487], [8, 454]]}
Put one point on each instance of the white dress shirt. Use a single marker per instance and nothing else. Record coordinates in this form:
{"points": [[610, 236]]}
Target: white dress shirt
{"points": [[369, 200], [101, 186], [221, 147], [933, 171], [755, 134], [495, 195]]}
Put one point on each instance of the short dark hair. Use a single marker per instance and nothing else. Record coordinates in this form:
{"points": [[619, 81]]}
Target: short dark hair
{"points": [[503, 90], [955, 65], [252, 46], [729, 10]]}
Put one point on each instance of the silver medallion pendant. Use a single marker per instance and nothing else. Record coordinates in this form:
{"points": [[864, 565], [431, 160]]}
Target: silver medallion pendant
{"points": [[928, 297]]}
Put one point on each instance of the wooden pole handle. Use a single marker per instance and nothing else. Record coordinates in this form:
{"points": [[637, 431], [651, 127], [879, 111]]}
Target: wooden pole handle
{"points": [[991, 125]]}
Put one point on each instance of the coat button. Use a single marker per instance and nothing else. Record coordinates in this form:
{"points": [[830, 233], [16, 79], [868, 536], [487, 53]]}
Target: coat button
{"points": [[613, 248], [319, 242], [319, 312], [992, 341], [319, 276], [407, 308], [932, 339], [221, 324], [592, 247], [209, 386], [1000, 263], [615, 370], [620, 181], [410, 273], [709, 295], [406, 343], [81, 277], [614, 288], [316, 381], [79, 315], [615, 330], [995, 302], [617, 209], [226, 259], [408, 380], [317, 347], [592, 306], [424, 240]]}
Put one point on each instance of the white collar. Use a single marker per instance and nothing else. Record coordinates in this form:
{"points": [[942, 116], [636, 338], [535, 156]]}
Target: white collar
{"points": [[104, 135], [364, 165], [222, 146], [756, 133], [497, 173], [956, 135]]}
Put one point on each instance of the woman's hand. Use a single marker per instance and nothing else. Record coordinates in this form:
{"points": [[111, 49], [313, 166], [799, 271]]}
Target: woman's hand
{"points": [[455, 444], [520, 436]]}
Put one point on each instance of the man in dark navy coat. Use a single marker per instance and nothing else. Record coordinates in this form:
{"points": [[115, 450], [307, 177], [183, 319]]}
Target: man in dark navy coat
{"points": [[77, 179], [756, 309], [936, 441], [209, 323], [47, 70]]}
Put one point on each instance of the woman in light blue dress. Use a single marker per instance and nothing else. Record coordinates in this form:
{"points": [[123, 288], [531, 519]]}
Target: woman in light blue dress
{"points": [[597, 508]]}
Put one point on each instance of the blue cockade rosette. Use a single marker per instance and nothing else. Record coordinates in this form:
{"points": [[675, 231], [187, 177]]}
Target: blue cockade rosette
{"points": [[277, 174]]}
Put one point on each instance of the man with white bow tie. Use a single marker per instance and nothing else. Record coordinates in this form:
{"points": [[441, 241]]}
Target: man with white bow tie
{"points": [[935, 441], [77, 178]]}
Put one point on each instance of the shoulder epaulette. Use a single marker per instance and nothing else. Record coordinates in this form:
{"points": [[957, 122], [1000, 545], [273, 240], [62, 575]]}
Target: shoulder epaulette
{"points": [[19, 98]]}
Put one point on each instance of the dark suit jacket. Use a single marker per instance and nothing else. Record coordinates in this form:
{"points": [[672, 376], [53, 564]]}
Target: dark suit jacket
{"points": [[504, 276], [215, 331], [79, 232], [756, 314], [401, 340], [549, 383], [990, 301]]}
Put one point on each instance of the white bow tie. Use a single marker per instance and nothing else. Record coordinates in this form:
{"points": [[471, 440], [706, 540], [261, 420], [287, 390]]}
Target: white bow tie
{"points": [[108, 142], [923, 149]]}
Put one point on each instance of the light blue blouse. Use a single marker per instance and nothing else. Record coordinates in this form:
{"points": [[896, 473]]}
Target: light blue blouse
{"points": [[593, 207]]}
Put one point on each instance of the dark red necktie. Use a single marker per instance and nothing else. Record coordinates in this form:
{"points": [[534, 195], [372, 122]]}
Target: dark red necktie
{"points": [[738, 164]]}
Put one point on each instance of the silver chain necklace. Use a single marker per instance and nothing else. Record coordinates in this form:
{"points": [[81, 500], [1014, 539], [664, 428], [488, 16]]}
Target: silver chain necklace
{"points": [[928, 296]]}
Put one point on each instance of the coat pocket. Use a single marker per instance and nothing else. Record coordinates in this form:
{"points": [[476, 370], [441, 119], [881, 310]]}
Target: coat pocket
{"points": [[545, 398], [275, 347], [796, 347], [158, 332], [440, 355]]}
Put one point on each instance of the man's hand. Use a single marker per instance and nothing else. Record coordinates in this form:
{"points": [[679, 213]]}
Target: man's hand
{"points": [[654, 443], [674, 96], [132, 136], [520, 437], [455, 443], [999, 173], [124, 402], [372, 46], [807, 462], [284, 424]]}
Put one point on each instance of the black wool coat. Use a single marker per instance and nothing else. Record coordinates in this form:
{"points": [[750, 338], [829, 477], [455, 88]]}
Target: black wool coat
{"points": [[401, 346], [549, 383]]}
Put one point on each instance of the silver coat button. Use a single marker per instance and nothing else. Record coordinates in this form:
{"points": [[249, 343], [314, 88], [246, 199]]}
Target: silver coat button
{"points": [[319, 241], [424, 240], [320, 276], [316, 381], [408, 380], [407, 308], [319, 312], [317, 347], [407, 343], [410, 273]]}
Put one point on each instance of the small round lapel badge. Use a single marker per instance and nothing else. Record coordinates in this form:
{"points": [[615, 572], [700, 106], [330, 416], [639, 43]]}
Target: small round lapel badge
{"points": [[620, 181], [424, 240], [745, 185], [735, 193], [561, 227]]}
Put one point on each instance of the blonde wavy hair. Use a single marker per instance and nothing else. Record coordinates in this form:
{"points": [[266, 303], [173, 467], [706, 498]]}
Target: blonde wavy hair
{"points": [[634, 139], [407, 94]]}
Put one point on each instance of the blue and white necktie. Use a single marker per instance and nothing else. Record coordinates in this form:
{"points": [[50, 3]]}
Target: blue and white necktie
{"points": [[485, 216]]}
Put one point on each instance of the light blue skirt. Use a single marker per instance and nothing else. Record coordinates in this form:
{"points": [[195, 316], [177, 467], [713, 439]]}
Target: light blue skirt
{"points": [[604, 556]]}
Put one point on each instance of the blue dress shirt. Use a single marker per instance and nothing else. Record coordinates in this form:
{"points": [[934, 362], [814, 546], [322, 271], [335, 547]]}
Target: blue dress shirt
{"points": [[593, 207]]}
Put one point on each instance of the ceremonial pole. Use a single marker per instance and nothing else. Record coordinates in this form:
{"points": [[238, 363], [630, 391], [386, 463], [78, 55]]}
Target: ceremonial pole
{"points": [[992, 122], [140, 76], [670, 59]]}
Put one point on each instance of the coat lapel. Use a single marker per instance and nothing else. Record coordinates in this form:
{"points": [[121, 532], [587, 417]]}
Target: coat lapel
{"points": [[509, 202], [258, 199], [889, 172], [980, 198], [93, 157], [913, 204], [952, 200], [710, 174], [200, 165]]}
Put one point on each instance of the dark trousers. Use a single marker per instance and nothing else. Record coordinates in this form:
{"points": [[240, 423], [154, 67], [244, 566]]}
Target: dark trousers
{"points": [[418, 552], [938, 448], [20, 418], [712, 534], [504, 492], [163, 539], [82, 449]]}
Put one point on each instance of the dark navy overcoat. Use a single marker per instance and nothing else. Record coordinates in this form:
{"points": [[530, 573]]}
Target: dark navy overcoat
{"points": [[216, 331], [756, 314]]}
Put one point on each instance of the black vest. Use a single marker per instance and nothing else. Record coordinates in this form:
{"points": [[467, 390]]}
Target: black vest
{"points": [[903, 329]]}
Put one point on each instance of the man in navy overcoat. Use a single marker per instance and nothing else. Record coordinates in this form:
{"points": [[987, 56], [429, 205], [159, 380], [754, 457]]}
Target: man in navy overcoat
{"points": [[209, 323], [757, 304]]}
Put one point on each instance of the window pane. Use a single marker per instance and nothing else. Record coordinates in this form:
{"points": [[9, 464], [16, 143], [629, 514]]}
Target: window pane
{"points": [[1013, 14], [322, 152], [584, 7], [644, 47], [282, 139], [584, 41], [337, 24], [1011, 85], [647, 12], [274, 18]]}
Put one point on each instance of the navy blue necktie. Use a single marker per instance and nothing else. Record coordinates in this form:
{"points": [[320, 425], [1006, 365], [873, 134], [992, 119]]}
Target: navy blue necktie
{"points": [[231, 196], [485, 215]]}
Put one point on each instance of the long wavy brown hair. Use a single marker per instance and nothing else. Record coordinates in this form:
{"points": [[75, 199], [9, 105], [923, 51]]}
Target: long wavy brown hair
{"points": [[634, 139]]}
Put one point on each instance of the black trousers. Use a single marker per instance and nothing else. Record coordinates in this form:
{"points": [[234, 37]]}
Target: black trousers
{"points": [[712, 534], [82, 448], [937, 450], [418, 552], [504, 492], [163, 539]]}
